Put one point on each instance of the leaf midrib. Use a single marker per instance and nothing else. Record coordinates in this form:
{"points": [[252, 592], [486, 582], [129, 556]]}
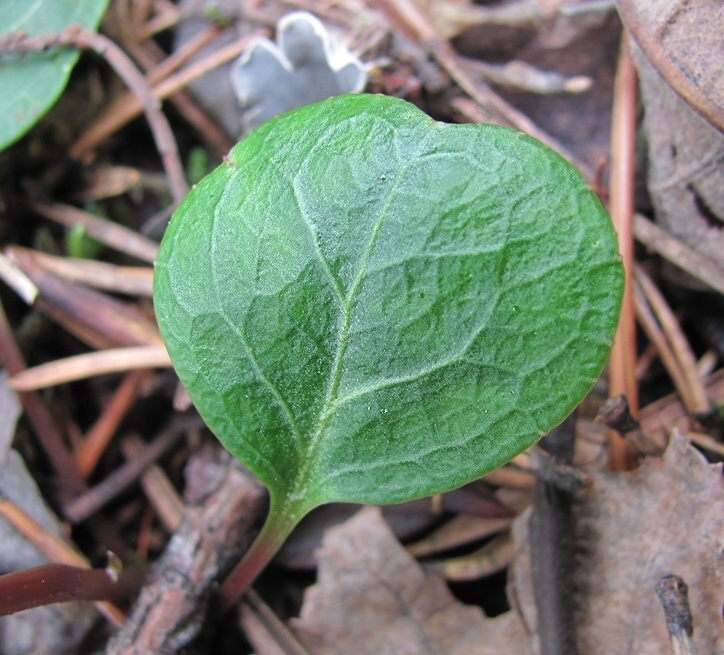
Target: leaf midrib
{"points": [[297, 489]]}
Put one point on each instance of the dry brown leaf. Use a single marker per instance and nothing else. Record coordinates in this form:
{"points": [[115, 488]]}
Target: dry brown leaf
{"points": [[683, 40], [685, 172], [372, 598], [634, 528]]}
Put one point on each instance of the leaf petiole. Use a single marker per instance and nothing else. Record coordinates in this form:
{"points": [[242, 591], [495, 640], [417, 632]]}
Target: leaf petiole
{"points": [[278, 526]]}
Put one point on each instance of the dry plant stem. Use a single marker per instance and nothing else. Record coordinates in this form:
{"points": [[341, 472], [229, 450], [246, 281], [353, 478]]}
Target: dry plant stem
{"points": [[705, 441], [42, 423], [79, 38], [111, 234], [622, 364], [99, 436], [159, 71], [171, 609], [79, 367], [130, 280], [95, 498], [93, 317], [698, 403], [266, 632], [678, 253], [110, 123], [493, 557], [673, 594], [52, 583], [456, 532], [666, 414], [67, 480], [149, 54], [96, 318], [54, 548], [164, 19], [648, 322], [158, 489]]}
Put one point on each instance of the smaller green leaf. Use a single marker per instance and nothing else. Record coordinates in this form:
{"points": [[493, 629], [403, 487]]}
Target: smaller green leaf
{"points": [[31, 83], [369, 306]]}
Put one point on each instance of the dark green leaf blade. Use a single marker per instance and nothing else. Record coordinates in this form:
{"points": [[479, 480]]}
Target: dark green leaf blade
{"points": [[31, 83], [367, 305]]}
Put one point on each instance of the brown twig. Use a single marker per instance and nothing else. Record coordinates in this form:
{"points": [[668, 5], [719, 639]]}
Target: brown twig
{"points": [[159, 65], [659, 418], [40, 419], [411, 20], [100, 434], [76, 37], [158, 489], [79, 367], [111, 234], [673, 594], [622, 367], [130, 280], [95, 498], [265, 630], [653, 331], [171, 609], [678, 253], [163, 20], [109, 123], [693, 391]]}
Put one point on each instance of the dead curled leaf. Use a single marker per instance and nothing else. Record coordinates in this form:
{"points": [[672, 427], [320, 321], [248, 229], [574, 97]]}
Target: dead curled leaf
{"points": [[682, 38], [685, 172], [632, 529]]}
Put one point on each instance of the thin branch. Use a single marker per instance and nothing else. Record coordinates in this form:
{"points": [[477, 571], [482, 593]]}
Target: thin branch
{"points": [[694, 393], [623, 355], [678, 253], [129, 280], [109, 122], [413, 21], [111, 234], [653, 331], [40, 419], [100, 434], [673, 594], [79, 367], [76, 37], [97, 497]]}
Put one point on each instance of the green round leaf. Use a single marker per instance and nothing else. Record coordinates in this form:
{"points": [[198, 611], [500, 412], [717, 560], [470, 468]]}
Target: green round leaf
{"points": [[31, 83], [366, 305]]}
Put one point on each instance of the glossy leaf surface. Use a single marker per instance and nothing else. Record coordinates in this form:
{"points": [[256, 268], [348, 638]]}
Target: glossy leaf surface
{"points": [[370, 306]]}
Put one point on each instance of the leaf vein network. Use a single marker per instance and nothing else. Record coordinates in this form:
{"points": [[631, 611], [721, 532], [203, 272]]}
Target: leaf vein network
{"points": [[334, 282], [337, 367], [454, 357], [248, 351]]}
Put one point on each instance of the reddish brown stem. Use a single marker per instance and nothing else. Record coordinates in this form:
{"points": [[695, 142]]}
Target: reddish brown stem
{"points": [[623, 354], [42, 423], [53, 583], [276, 529]]}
